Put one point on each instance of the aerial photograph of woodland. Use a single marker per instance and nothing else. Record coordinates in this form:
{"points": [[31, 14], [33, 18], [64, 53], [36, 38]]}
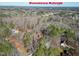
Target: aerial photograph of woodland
{"points": [[39, 31]]}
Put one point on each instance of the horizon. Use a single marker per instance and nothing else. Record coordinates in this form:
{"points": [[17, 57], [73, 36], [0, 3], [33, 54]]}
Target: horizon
{"points": [[65, 4]]}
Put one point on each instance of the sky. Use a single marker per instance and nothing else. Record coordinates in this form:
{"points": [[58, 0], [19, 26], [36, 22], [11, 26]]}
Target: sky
{"points": [[65, 4]]}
